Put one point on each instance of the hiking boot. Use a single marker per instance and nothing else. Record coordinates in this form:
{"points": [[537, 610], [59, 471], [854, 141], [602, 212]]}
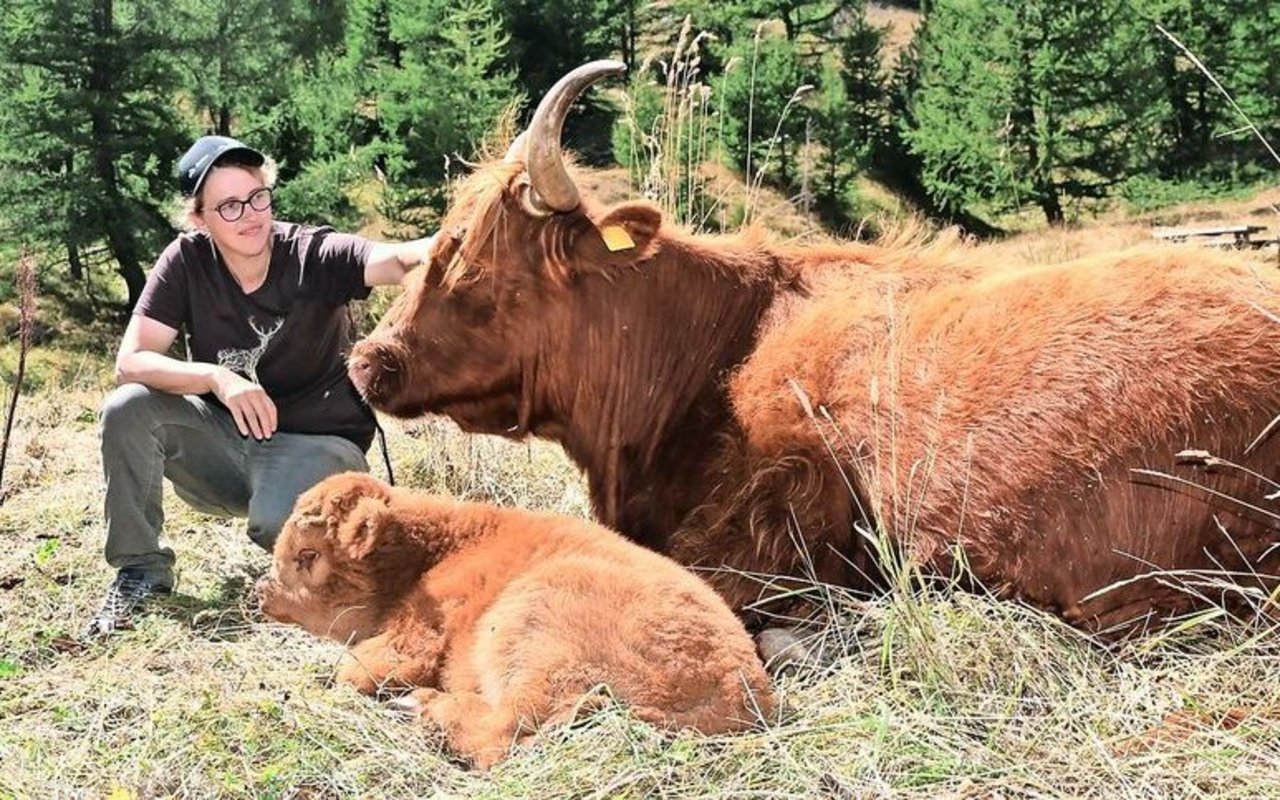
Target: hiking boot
{"points": [[129, 590]]}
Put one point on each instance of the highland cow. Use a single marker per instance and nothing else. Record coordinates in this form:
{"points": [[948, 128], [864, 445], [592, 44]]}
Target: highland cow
{"points": [[758, 409]]}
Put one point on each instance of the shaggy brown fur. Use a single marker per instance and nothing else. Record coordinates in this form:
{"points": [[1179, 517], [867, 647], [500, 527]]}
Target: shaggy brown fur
{"points": [[739, 404], [503, 622]]}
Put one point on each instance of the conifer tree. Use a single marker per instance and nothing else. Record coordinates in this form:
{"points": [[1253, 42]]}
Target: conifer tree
{"points": [[90, 129], [1034, 102], [764, 120], [434, 77], [849, 114], [1205, 137]]}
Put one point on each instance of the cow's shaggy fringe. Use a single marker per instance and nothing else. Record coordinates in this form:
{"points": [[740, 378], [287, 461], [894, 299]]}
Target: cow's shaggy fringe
{"points": [[482, 197]]}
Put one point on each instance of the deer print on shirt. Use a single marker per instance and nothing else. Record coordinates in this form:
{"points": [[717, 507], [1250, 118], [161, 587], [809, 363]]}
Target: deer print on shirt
{"points": [[245, 362]]}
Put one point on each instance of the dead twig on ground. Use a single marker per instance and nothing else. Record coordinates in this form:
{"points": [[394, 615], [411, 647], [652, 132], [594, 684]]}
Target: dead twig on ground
{"points": [[26, 285]]}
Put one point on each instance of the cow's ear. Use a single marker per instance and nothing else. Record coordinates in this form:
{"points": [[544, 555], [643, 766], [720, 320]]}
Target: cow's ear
{"points": [[624, 234]]}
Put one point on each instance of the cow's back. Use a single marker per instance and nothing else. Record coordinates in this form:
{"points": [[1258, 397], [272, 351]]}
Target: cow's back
{"points": [[1006, 408]]}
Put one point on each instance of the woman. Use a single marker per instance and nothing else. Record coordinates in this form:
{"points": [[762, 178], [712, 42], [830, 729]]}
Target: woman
{"points": [[262, 408]]}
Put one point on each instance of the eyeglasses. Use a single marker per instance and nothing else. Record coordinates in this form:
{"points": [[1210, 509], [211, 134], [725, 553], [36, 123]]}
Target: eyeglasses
{"points": [[232, 210]]}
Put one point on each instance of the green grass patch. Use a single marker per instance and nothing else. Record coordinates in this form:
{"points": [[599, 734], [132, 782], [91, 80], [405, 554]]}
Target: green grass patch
{"points": [[1143, 193]]}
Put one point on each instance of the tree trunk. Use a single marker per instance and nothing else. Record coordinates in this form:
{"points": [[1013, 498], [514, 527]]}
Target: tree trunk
{"points": [[1182, 119], [1025, 126], [788, 25], [73, 259], [72, 224], [629, 38], [1051, 205]]}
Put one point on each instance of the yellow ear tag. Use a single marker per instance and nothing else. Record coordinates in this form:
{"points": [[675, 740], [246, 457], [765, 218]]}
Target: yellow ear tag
{"points": [[616, 238]]}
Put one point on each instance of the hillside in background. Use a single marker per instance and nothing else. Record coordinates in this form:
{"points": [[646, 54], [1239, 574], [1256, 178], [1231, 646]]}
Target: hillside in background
{"points": [[899, 25]]}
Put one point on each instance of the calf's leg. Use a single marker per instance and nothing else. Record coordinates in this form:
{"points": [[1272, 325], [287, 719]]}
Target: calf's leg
{"points": [[474, 729], [375, 665]]}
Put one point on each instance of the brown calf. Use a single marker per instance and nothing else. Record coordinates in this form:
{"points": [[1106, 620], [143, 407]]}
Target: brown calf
{"points": [[501, 622]]}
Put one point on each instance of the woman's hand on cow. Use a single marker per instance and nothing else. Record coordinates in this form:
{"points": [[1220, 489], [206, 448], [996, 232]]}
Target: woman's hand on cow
{"points": [[250, 406], [389, 263]]}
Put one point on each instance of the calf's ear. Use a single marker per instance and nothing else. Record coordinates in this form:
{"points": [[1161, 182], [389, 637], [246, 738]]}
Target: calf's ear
{"points": [[364, 527], [623, 235]]}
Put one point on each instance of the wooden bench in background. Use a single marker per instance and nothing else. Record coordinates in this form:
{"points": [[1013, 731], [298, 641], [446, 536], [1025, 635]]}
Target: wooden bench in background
{"points": [[1239, 236]]}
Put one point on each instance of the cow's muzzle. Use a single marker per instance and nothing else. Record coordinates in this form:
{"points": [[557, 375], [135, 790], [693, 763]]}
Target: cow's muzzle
{"points": [[376, 371]]}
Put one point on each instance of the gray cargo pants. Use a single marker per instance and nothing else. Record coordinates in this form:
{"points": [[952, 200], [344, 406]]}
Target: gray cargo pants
{"points": [[148, 434]]}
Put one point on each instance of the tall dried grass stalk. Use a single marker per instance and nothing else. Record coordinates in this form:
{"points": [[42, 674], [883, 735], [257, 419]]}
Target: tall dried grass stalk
{"points": [[751, 104], [26, 284], [757, 181], [688, 131], [667, 158]]}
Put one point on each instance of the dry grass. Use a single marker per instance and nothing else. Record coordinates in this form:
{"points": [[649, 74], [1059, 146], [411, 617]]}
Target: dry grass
{"points": [[1120, 228], [899, 25], [928, 694], [1261, 208]]}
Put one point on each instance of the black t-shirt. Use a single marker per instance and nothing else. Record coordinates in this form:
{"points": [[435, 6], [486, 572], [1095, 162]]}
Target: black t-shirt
{"points": [[291, 334]]}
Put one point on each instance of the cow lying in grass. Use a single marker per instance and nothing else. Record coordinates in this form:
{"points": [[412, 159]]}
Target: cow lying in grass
{"points": [[499, 622], [817, 411]]}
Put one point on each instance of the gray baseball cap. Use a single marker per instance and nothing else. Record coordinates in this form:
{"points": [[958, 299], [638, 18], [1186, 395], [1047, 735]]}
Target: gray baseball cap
{"points": [[208, 151]]}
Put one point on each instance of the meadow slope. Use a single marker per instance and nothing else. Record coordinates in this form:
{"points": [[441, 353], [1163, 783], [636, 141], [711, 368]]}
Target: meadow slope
{"points": [[924, 693]]}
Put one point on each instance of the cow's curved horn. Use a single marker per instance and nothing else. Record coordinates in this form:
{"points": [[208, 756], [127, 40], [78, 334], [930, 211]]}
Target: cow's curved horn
{"points": [[548, 178]]}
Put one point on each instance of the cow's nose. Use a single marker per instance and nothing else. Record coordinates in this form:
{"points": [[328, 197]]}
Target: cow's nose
{"points": [[360, 369]]}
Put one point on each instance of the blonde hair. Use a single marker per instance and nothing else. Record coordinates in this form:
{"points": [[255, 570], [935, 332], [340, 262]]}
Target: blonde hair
{"points": [[186, 208]]}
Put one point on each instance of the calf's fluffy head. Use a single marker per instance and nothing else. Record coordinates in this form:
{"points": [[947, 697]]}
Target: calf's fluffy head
{"points": [[322, 577]]}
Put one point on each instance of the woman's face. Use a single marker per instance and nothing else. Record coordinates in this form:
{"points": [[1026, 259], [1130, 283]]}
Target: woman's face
{"points": [[231, 190]]}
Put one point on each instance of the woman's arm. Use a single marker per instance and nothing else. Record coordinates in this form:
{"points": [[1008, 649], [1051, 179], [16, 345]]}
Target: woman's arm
{"points": [[141, 359]]}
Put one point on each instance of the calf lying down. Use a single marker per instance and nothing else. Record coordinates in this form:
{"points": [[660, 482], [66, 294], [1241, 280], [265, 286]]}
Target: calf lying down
{"points": [[498, 622]]}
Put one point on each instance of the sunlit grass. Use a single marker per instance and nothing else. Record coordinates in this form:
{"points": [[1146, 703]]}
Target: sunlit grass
{"points": [[926, 693]]}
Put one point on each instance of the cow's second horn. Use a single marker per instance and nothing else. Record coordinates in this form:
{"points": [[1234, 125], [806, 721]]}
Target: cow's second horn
{"points": [[547, 176]]}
